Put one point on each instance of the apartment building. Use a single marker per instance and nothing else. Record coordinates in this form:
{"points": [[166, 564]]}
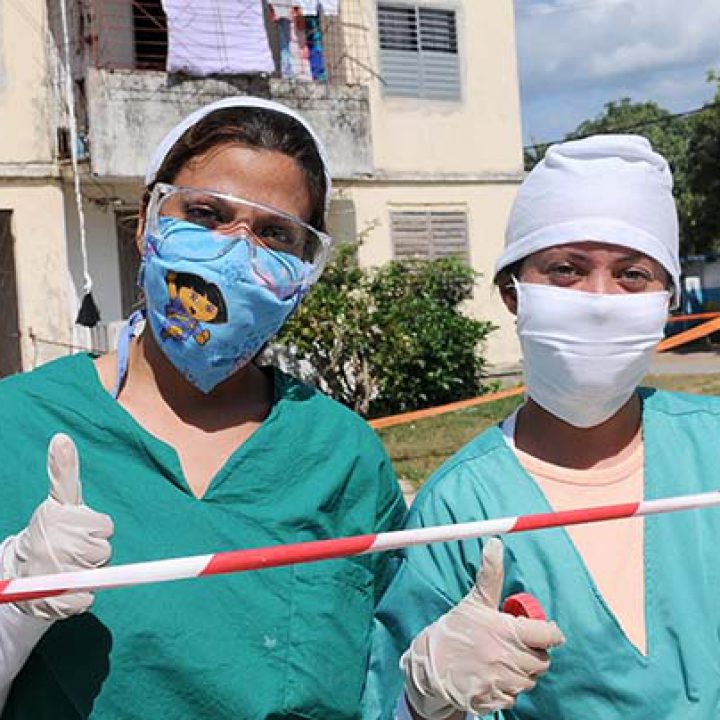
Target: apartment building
{"points": [[416, 99]]}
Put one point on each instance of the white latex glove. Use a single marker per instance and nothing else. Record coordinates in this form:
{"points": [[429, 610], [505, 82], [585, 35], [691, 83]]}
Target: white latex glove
{"points": [[63, 535], [476, 658]]}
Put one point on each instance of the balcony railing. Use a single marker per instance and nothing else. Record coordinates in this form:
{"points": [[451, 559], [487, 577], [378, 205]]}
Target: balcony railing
{"points": [[129, 111]]}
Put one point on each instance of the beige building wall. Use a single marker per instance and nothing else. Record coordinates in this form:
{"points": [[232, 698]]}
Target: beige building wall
{"points": [[486, 205], [465, 153], [27, 104], [43, 281], [479, 133], [30, 183]]}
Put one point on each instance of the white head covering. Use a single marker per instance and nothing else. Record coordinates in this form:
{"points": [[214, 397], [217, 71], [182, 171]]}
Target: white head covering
{"points": [[609, 188], [243, 101]]}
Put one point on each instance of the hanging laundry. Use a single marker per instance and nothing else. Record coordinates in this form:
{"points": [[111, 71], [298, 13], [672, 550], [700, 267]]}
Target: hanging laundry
{"points": [[294, 63], [329, 7], [225, 37], [316, 54], [308, 7], [284, 27], [299, 45], [294, 55], [282, 9]]}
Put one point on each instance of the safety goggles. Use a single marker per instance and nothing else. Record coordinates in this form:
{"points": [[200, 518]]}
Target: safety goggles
{"points": [[230, 220]]}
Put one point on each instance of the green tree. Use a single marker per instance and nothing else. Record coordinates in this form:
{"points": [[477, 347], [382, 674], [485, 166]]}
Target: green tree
{"points": [[533, 154], [392, 338], [703, 175]]}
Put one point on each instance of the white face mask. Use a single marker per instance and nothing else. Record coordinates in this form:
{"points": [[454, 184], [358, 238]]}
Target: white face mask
{"points": [[585, 353]]}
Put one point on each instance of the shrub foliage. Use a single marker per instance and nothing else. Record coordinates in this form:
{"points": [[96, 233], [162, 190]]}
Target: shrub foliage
{"points": [[393, 338]]}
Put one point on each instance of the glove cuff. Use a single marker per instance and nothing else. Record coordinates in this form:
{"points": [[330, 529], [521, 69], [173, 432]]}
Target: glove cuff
{"points": [[8, 565], [430, 704]]}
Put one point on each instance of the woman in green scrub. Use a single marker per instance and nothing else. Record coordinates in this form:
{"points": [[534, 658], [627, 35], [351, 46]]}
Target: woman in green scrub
{"points": [[590, 269], [187, 446]]}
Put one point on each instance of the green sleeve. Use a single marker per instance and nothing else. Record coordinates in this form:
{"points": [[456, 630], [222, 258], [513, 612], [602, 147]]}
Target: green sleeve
{"points": [[409, 604], [390, 514]]}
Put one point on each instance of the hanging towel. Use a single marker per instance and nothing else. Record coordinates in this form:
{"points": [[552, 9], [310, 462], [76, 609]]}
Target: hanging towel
{"points": [[313, 33], [284, 27], [294, 56], [294, 63], [299, 45], [226, 37]]}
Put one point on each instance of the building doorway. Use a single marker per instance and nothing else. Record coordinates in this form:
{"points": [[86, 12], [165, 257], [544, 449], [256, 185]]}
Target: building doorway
{"points": [[128, 260], [10, 355]]}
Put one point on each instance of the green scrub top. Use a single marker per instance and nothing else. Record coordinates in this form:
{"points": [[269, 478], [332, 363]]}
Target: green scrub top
{"points": [[288, 642], [598, 673]]}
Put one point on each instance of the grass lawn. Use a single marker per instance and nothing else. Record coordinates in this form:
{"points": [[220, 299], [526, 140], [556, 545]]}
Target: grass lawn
{"points": [[420, 447]]}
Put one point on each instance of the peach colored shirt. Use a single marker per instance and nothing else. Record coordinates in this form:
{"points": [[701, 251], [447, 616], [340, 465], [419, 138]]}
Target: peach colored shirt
{"points": [[613, 551]]}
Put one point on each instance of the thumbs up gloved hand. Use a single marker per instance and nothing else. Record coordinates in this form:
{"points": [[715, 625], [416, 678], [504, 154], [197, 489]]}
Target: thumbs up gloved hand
{"points": [[476, 658], [63, 535]]}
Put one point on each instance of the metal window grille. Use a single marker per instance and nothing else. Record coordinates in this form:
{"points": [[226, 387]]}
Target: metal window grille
{"points": [[149, 34], [419, 52], [429, 233]]}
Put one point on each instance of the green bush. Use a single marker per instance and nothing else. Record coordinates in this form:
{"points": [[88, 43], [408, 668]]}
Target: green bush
{"points": [[389, 339]]}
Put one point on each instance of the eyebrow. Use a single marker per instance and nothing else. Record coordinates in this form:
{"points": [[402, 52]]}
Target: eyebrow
{"points": [[583, 255]]}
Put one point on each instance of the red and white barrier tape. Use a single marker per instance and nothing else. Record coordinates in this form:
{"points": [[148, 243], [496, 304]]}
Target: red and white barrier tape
{"points": [[31, 588]]}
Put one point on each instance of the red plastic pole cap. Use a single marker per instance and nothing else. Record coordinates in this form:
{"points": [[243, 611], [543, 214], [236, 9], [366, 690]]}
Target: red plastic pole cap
{"points": [[524, 605]]}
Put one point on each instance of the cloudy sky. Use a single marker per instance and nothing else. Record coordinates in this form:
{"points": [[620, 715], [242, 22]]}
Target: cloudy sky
{"points": [[576, 55]]}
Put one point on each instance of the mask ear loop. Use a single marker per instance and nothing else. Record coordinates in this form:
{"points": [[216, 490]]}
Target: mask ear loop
{"points": [[513, 287]]}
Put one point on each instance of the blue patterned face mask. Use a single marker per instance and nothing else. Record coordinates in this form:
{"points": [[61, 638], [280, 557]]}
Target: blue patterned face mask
{"points": [[211, 317]]}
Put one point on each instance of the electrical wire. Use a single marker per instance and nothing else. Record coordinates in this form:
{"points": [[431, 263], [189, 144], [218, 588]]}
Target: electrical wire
{"points": [[634, 126]]}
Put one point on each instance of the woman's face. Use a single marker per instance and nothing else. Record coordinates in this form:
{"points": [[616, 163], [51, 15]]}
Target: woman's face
{"points": [[591, 267], [263, 176]]}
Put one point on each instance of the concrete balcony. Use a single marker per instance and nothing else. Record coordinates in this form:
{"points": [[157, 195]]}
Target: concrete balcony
{"points": [[129, 111]]}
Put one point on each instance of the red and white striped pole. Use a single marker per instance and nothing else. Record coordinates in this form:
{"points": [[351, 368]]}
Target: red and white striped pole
{"points": [[31, 588]]}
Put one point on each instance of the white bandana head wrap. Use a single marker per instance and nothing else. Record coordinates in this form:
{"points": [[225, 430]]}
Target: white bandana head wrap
{"points": [[242, 101], [607, 188]]}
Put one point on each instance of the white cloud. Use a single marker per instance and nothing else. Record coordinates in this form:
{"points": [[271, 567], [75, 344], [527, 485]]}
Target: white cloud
{"points": [[582, 50], [611, 38]]}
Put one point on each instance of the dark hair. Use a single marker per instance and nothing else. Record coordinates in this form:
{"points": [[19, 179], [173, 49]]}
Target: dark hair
{"points": [[257, 128], [209, 290]]}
